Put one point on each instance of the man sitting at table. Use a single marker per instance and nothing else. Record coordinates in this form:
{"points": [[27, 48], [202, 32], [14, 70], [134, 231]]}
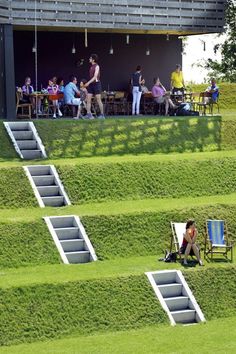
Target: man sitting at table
{"points": [[177, 81], [213, 89], [71, 91], [27, 91]]}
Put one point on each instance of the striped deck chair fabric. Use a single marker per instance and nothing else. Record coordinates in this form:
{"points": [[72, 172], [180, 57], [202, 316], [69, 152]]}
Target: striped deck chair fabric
{"points": [[216, 241], [216, 232]]}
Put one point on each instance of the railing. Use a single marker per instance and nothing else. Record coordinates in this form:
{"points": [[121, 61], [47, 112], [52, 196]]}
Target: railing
{"points": [[163, 16]]}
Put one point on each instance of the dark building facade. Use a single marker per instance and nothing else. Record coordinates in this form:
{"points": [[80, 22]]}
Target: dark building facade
{"points": [[137, 32]]}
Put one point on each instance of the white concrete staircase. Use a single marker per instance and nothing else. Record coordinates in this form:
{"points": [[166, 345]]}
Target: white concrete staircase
{"points": [[175, 297], [47, 185], [26, 140], [71, 239]]}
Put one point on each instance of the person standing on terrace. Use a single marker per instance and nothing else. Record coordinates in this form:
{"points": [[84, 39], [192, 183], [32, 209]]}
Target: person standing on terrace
{"points": [[137, 91], [94, 87], [177, 80]]}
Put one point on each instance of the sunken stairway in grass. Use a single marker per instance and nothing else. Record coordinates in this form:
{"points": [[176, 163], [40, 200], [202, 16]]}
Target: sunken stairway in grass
{"points": [[47, 185], [71, 239], [26, 140], [175, 297]]}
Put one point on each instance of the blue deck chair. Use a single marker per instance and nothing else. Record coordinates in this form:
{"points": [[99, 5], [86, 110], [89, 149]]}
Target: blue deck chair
{"points": [[216, 241]]}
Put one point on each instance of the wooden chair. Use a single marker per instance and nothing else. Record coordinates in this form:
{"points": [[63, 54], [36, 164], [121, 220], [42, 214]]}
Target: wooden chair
{"points": [[120, 106], [203, 106], [25, 108], [217, 240]]}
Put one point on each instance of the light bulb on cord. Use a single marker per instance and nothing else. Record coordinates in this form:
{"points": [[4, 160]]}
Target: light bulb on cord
{"points": [[73, 50], [127, 39], [34, 49], [148, 51], [111, 51], [167, 37]]}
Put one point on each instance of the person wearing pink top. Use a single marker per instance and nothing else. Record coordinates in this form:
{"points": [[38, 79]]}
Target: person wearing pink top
{"points": [[160, 95], [53, 90]]}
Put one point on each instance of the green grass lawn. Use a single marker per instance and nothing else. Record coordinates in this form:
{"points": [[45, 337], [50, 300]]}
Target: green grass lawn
{"points": [[216, 336], [45, 274]]}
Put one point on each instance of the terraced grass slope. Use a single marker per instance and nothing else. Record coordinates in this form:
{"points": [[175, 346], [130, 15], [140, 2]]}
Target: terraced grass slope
{"points": [[122, 235], [42, 299], [23, 244], [128, 180], [47, 311], [36, 312], [149, 179]]}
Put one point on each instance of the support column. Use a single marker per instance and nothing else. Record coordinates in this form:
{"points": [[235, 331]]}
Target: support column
{"points": [[8, 96], [2, 75]]}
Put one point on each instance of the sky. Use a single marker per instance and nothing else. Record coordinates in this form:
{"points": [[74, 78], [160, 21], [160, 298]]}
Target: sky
{"points": [[194, 52]]}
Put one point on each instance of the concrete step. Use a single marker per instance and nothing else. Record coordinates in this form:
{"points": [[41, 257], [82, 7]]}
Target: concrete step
{"points": [[63, 222], [73, 245], [177, 303], [39, 170], [31, 154], [19, 126], [23, 135], [184, 316], [170, 290], [27, 144], [165, 278], [53, 201], [48, 191], [44, 180], [78, 257], [67, 233]]}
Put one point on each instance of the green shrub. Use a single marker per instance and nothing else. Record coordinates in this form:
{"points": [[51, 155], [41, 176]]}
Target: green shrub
{"points": [[15, 189], [215, 291], [148, 179], [47, 311], [129, 136], [148, 233], [23, 244]]}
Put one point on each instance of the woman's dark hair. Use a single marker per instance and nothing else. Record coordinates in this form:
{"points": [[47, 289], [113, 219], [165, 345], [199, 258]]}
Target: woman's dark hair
{"points": [[84, 81], [189, 223], [138, 68], [72, 78], [94, 57]]}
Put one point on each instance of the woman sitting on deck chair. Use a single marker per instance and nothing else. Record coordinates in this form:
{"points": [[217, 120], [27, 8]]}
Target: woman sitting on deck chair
{"points": [[189, 242]]}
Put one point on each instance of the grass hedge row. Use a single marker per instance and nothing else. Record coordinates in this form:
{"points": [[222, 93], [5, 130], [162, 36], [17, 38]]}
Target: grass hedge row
{"points": [[46, 311], [128, 180], [129, 136], [41, 312], [15, 189], [68, 139], [215, 291], [148, 233], [7, 150], [125, 235], [23, 244], [148, 179]]}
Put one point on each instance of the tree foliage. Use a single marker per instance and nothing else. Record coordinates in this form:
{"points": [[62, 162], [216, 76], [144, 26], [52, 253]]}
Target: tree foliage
{"points": [[225, 70]]}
